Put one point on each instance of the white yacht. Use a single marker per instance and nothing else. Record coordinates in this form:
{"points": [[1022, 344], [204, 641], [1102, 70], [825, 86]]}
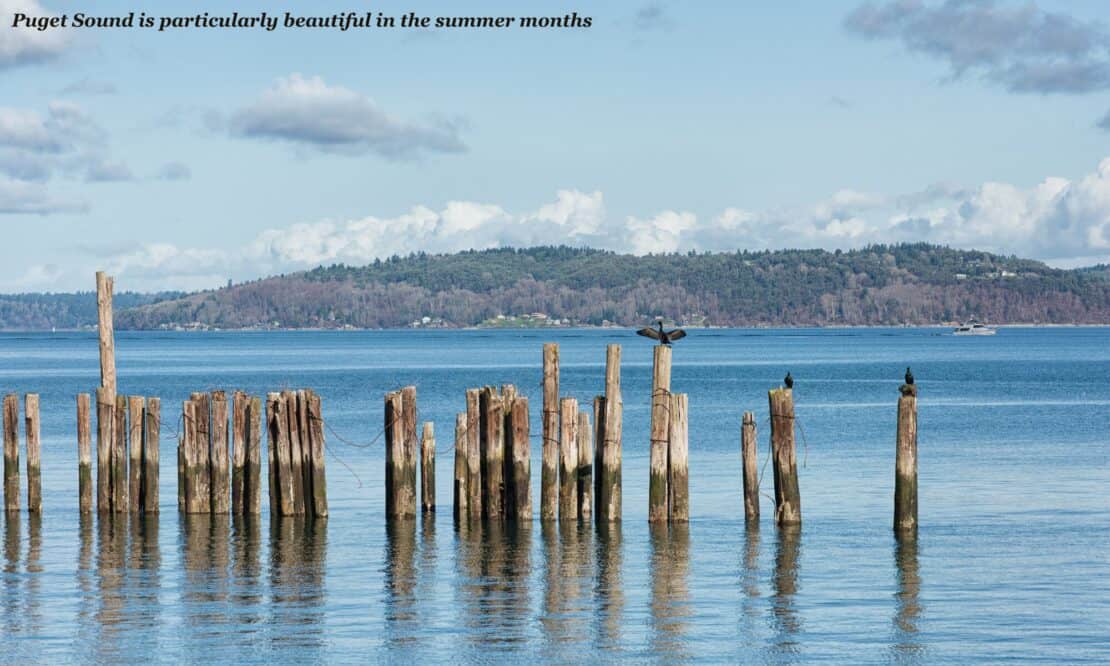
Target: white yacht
{"points": [[973, 328]]}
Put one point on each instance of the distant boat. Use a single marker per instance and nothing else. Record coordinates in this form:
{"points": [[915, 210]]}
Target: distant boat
{"points": [[973, 328]]}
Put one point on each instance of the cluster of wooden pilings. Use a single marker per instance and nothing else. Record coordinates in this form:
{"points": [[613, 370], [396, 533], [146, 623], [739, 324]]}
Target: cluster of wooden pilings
{"points": [[11, 452], [401, 450], [298, 483], [669, 482], [128, 429]]}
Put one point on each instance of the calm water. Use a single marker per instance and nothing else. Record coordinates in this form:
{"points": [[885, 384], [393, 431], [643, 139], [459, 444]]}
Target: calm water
{"points": [[1011, 561]]}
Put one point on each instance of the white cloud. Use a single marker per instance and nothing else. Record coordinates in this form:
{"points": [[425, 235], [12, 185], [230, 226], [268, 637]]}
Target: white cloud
{"points": [[20, 46], [307, 111]]}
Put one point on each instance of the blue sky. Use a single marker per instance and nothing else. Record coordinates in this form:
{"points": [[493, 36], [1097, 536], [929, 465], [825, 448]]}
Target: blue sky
{"points": [[184, 158]]}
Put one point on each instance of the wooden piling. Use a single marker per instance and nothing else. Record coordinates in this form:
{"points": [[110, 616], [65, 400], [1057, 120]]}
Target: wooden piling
{"points": [[316, 455], [473, 455], [609, 424], [905, 463], [181, 474], [239, 407], [253, 482], [521, 461], [221, 496], [660, 434], [493, 453], [121, 496], [189, 472], [152, 420], [678, 464], [202, 452], [105, 331], [294, 453], [34, 453], [105, 426], [549, 472], [303, 424], [428, 469], [411, 446], [135, 407], [459, 489], [788, 505], [11, 452], [750, 456], [271, 452], [394, 455], [585, 468], [568, 460], [283, 486], [84, 453]]}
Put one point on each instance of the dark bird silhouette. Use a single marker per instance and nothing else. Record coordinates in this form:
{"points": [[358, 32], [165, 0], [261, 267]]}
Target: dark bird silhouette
{"points": [[788, 380], [909, 376], [664, 337]]}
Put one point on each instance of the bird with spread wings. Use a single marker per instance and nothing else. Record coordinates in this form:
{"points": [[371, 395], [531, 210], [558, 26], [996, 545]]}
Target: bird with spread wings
{"points": [[664, 337]]}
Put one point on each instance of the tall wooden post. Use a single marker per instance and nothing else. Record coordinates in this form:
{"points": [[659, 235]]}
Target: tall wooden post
{"points": [[410, 450], [428, 469], [239, 407], [459, 489], [34, 453], [153, 431], [521, 461], [493, 453], [585, 468], [678, 475], [788, 501], [473, 455], [11, 452], [121, 496], [105, 328], [609, 424], [202, 454], [905, 464], [295, 454], [750, 457], [254, 457], [84, 453], [221, 496], [135, 406], [105, 426], [660, 434], [568, 460], [394, 453], [549, 472], [283, 486], [319, 499], [189, 472]]}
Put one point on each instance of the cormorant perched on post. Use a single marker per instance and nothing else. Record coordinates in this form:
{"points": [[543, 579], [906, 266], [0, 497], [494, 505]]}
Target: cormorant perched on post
{"points": [[664, 337], [909, 376], [788, 380]]}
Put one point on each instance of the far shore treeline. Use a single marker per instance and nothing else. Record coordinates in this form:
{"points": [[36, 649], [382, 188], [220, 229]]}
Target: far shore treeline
{"points": [[915, 284]]}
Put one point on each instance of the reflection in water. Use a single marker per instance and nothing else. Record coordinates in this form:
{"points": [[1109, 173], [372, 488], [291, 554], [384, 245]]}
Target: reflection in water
{"points": [[784, 616], [246, 593], [13, 616], [33, 569], [110, 597], [400, 582], [749, 574], [908, 609], [298, 558], [568, 576], [670, 595], [609, 584], [205, 559], [494, 564]]}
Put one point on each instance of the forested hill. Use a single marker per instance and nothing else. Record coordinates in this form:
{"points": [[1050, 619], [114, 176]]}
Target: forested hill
{"points": [[878, 285]]}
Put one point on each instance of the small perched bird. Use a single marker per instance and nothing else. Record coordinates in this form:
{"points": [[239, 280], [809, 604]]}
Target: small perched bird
{"points": [[788, 380], [909, 376], [664, 337]]}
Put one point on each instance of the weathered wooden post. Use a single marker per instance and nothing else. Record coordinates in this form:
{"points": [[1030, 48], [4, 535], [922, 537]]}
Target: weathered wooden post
{"points": [[493, 453], [11, 452], [521, 460], [473, 455], [585, 468], [608, 425], [254, 457], [660, 434], [549, 472], [459, 489], [905, 465], [749, 455], [152, 420], [411, 447], [428, 469], [84, 453], [568, 460], [400, 463], [239, 407], [678, 475], [306, 449], [221, 496], [294, 454], [316, 451], [202, 453], [34, 453], [105, 330], [121, 497], [788, 501], [283, 466], [135, 406], [105, 425], [187, 494]]}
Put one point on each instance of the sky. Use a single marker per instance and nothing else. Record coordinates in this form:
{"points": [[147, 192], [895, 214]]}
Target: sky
{"points": [[184, 158]]}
